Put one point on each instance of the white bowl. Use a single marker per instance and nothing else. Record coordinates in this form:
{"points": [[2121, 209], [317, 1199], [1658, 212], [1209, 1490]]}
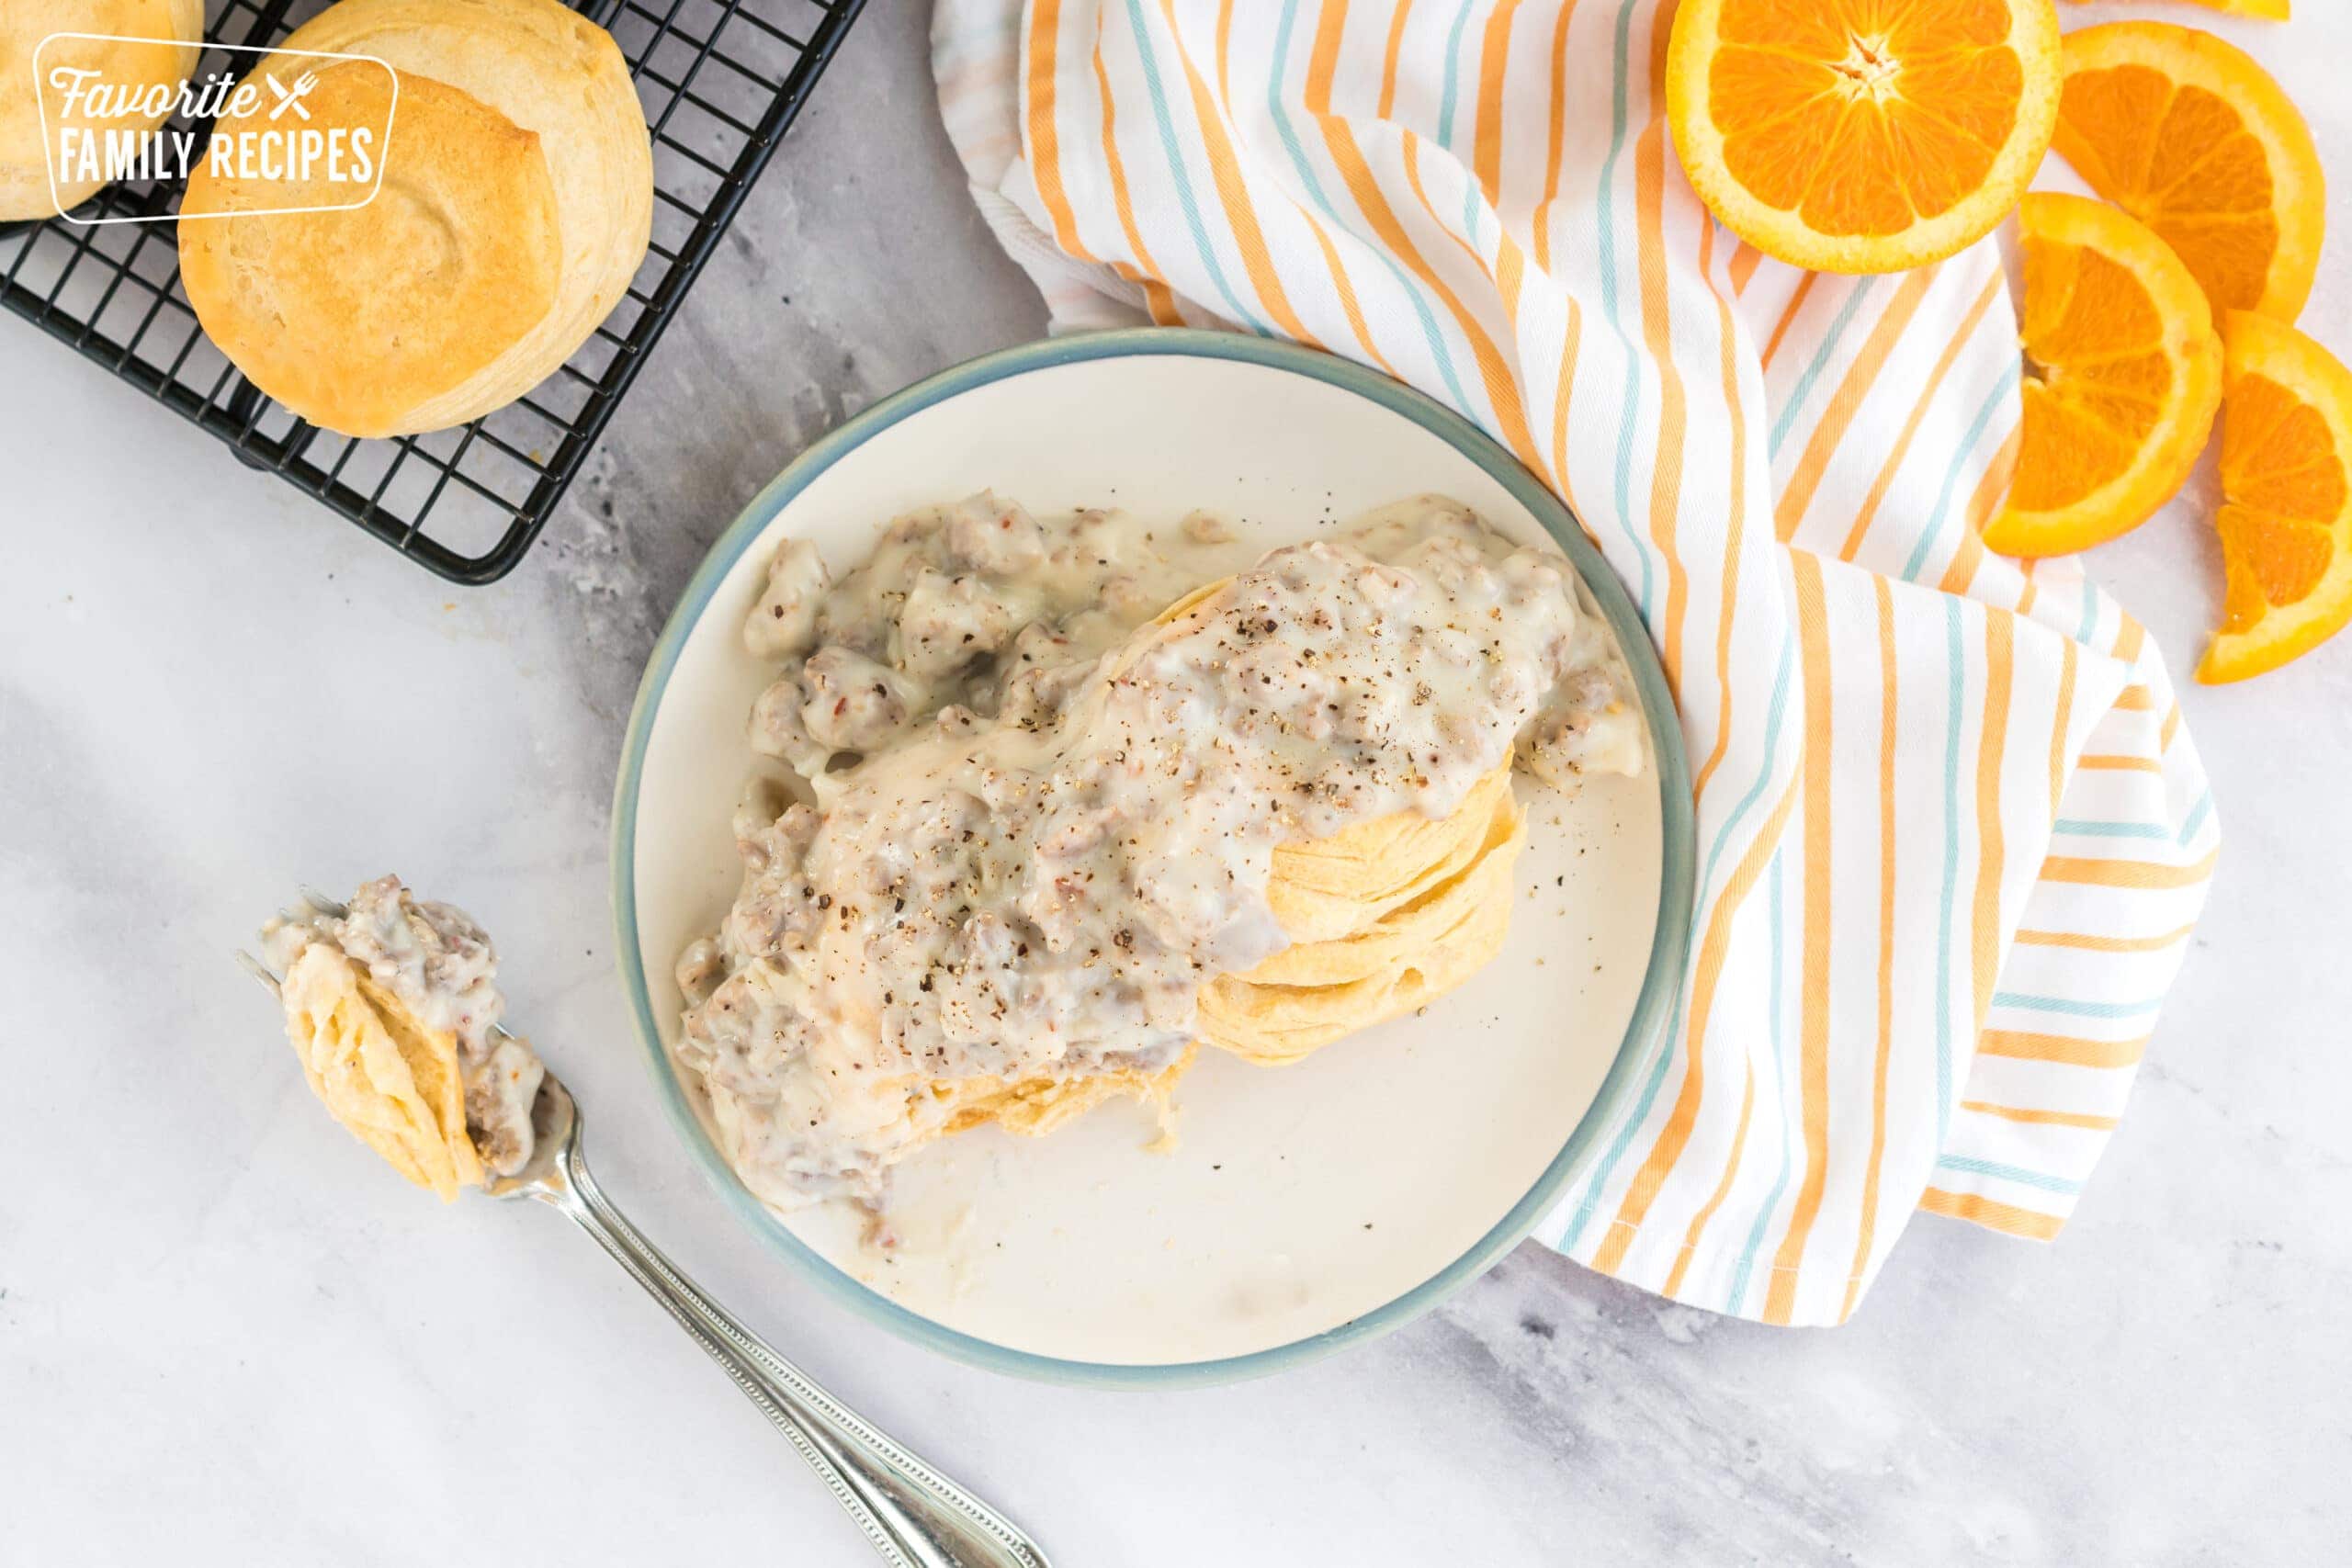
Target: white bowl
{"points": [[1300, 1208]]}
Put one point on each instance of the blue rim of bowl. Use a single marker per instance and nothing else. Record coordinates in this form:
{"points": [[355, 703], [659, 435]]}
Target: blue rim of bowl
{"points": [[1645, 1032]]}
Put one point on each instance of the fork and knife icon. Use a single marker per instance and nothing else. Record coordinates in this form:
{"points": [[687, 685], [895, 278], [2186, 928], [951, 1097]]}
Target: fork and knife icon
{"points": [[291, 97]]}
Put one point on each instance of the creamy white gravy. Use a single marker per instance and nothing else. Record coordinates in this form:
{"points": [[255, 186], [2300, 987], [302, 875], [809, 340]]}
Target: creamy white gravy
{"points": [[441, 967], [1024, 834]]}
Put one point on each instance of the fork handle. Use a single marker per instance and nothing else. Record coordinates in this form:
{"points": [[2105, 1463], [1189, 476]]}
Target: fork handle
{"points": [[914, 1517]]}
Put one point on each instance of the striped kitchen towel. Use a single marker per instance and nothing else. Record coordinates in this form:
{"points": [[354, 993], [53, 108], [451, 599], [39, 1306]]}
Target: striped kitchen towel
{"points": [[1974, 773]]}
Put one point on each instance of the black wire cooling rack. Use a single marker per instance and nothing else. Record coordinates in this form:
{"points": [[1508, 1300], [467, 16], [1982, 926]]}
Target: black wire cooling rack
{"points": [[720, 81]]}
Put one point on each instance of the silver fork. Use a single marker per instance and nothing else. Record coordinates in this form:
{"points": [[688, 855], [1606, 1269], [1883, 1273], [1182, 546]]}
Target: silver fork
{"points": [[915, 1517]]}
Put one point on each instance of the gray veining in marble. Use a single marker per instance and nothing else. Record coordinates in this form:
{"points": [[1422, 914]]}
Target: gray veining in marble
{"points": [[225, 1337]]}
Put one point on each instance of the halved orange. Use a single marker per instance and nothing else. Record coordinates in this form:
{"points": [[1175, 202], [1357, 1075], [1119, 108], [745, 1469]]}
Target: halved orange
{"points": [[1862, 135], [2191, 137], [2123, 373], [2286, 523]]}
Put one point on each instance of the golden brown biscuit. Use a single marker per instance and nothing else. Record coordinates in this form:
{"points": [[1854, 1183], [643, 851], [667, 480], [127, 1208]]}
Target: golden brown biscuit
{"points": [[439, 277], [24, 153], [1323, 889], [1397, 954], [394, 1084], [1407, 907], [1383, 917], [1037, 1106], [471, 241]]}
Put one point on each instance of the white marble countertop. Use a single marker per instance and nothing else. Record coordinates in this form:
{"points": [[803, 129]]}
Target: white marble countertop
{"points": [[227, 1337]]}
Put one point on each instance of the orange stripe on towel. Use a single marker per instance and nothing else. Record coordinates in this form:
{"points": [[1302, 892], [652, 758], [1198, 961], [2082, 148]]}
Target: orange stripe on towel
{"points": [[2067, 1050], [1156, 297], [1045, 135], [1233, 194], [2126, 873], [1714, 947], [1889, 714], [1845, 403], [2091, 944], [1985, 935], [2042, 1118], [1789, 316], [1812, 996], [2004, 1218], [1902, 448]]}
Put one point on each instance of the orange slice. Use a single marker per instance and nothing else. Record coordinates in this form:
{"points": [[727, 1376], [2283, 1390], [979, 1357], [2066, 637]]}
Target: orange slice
{"points": [[2286, 523], [2123, 373], [2192, 138], [2267, 10], [1862, 135]]}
